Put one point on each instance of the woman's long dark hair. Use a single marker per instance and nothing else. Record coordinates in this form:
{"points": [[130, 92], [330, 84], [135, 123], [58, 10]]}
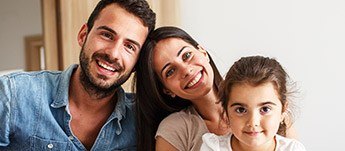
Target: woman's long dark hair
{"points": [[152, 105]]}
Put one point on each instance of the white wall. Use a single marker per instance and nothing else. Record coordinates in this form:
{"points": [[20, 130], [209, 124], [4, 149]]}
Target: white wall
{"points": [[306, 36], [18, 18]]}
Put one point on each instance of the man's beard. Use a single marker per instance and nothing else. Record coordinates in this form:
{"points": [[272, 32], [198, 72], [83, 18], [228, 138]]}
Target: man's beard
{"points": [[89, 82]]}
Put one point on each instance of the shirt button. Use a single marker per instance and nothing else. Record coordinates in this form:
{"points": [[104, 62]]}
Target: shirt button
{"points": [[50, 146], [70, 138]]}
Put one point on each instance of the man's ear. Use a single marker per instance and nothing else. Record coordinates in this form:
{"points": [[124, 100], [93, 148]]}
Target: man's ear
{"points": [[168, 92], [82, 35]]}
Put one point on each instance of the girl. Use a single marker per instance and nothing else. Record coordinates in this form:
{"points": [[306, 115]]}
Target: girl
{"points": [[254, 98]]}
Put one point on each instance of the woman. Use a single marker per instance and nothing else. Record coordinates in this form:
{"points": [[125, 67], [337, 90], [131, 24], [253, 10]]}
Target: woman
{"points": [[175, 73]]}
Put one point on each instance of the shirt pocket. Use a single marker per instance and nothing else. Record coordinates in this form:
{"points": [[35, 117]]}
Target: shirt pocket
{"points": [[37, 143]]}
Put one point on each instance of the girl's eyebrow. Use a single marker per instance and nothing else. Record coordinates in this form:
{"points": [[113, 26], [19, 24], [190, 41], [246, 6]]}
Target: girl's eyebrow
{"points": [[261, 104], [268, 102], [237, 104]]}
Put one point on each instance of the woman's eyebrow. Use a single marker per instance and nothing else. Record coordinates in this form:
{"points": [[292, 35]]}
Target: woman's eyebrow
{"points": [[178, 53]]}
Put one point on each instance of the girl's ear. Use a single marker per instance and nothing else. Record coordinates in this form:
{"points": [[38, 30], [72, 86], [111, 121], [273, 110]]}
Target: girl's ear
{"points": [[82, 35], [168, 92], [202, 50], [284, 112], [283, 117]]}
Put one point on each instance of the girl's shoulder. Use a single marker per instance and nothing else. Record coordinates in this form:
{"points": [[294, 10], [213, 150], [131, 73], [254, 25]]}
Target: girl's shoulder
{"points": [[212, 142], [287, 144]]}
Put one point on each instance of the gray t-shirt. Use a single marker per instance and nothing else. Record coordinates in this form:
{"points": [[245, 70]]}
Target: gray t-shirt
{"points": [[183, 129]]}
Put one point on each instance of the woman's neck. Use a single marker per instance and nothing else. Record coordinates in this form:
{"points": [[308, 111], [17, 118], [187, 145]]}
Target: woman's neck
{"points": [[211, 111], [208, 106]]}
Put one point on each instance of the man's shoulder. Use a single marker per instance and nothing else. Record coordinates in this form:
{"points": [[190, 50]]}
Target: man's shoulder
{"points": [[25, 78]]}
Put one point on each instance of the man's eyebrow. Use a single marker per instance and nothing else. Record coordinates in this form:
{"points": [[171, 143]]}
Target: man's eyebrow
{"points": [[135, 43], [114, 32], [107, 29], [178, 53]]}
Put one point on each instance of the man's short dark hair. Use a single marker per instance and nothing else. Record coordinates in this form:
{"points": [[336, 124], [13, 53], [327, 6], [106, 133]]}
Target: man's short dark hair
{"points": [[139, 8]]}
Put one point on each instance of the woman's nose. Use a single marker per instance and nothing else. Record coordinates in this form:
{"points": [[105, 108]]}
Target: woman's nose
{"points": [[187, 72]]}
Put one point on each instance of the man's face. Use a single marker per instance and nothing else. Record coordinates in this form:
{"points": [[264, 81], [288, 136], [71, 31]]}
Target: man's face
{"points": [[111, 48]]}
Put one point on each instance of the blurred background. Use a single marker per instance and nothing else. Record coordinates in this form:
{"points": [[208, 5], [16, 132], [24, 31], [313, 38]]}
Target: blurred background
{"points": [[306, 36]]}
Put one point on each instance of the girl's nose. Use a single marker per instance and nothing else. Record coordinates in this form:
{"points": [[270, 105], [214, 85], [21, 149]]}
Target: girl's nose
{"points": [[254, 120]]}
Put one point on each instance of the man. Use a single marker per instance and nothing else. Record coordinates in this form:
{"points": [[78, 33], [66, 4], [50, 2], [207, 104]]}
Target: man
{"points": [[83, 107]]}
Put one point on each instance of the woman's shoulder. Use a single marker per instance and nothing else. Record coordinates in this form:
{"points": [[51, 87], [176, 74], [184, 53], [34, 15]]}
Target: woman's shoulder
{"points": [[183, 117], [183, 129], [284, 144]]}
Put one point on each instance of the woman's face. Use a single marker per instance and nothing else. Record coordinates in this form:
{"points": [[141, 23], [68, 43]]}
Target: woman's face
{"points": [[184, 70]]}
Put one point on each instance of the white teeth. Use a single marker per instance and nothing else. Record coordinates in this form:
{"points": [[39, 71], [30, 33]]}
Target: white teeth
{"points": [[106, 66], [196, 79]]}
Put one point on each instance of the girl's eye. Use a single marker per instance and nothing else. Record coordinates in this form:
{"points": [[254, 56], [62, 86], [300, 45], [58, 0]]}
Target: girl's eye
{"points": [[169, 72], [186, 56], [265, 110], [107, 35], [240, 110]]}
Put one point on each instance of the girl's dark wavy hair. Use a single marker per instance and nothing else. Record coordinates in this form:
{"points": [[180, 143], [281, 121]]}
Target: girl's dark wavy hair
{"points": [[152, 104]]}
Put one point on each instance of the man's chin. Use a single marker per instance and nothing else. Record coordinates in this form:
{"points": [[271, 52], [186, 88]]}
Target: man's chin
{"points": [[105, 85]]}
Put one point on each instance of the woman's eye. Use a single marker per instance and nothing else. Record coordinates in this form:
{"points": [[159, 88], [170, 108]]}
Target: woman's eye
{"points": [[240, 110], [186, 56], [265, 109], [169, 72]]}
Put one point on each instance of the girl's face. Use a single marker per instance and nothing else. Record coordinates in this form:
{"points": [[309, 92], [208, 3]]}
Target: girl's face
{"points": [[184, 70], [255, 114]]}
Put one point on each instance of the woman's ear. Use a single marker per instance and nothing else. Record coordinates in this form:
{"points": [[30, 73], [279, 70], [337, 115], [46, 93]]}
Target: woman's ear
{"points": [[82, 35], [168, 92], [202, 50]]}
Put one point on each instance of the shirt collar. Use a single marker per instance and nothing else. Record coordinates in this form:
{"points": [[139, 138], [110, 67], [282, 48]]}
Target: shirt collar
{"points": [[120, 109], [61, 96]]}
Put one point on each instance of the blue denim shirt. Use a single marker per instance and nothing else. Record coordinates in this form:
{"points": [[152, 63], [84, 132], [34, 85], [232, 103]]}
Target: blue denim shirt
{"points": [[35, 115]]}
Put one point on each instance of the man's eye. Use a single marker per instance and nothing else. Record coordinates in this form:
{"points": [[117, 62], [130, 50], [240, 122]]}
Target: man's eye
{"points": [[130, 47], [169, 72], [265, 110], [107, 35], [186, 56], [240, 110]]}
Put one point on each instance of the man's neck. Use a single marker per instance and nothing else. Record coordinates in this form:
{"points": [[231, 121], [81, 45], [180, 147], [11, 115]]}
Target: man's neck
{"points": [[82, 99], [89, 114]]}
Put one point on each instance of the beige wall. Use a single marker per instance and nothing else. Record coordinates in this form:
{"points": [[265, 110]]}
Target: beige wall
{"points": [[19, 18], [23, 17]]}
